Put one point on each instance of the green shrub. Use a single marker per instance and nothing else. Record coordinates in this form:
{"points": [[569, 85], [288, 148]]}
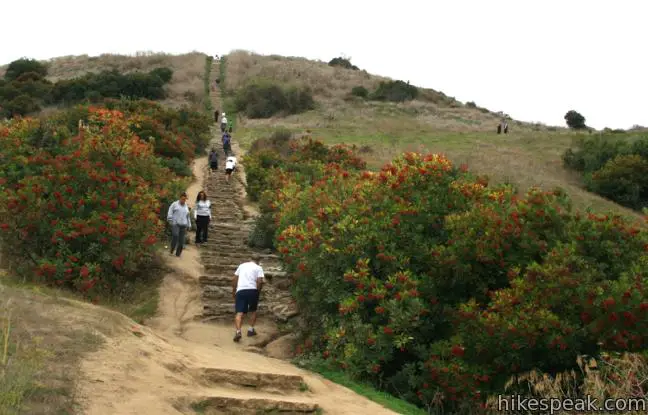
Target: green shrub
{"points": [[612, 166], [21, 106], [177, 166], [623, 179], [343, 63], [23, 66], [84, 216], [264, 99], [575, 120], [471, 104], [394, 91], [487, 285], [360, 91]]}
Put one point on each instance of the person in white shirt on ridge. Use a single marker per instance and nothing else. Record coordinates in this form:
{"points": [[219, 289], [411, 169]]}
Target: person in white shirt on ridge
{"points": [[223, 123], [230, 165], [202, 215], [246, 288]]}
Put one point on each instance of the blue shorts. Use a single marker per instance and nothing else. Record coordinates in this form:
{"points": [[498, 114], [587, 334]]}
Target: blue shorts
{"points": [[246, 301]]}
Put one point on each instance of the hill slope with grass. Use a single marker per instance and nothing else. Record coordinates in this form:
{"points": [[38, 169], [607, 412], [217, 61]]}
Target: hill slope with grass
{"points": [[529, 155]]}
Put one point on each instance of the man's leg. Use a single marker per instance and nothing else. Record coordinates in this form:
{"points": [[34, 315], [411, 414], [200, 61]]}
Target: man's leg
{"points": [[240, 306], [182, 234], [205, 229], [174, 237], [254, 303]]}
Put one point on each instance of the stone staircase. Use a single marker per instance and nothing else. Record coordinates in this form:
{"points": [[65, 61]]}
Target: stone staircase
{"points": [[227, 246], [242, 392]]}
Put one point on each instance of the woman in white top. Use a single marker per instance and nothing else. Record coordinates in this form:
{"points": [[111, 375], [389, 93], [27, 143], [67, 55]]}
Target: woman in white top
{"points": [[202, 215]]}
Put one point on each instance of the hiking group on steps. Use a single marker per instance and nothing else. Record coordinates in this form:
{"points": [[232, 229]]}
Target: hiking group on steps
{"points": [[248, 278]]}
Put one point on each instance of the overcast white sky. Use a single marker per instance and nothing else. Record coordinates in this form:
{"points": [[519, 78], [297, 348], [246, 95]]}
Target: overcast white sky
{"points": [[533, 59]]}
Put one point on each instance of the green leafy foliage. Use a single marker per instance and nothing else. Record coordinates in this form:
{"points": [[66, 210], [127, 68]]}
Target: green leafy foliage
{"points": [[343, 63], [394, 91], [575, 120], [614, 166], [264, 99], [438, 288]]}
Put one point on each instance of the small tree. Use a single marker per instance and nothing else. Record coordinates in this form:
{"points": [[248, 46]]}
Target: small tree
{"points": [[575, 120], [22, 66]]}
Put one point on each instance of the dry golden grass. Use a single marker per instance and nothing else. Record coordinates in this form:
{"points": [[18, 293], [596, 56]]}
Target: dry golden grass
{"points": [[621, 378], [186, 86]]}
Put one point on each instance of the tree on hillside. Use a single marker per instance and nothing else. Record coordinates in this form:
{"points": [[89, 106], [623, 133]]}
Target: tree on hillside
{"points": [[575, 120], [344, 63], [23, 66]]}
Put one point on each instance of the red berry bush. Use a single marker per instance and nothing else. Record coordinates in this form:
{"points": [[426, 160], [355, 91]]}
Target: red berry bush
{"points": [[438, 287], [80, 211]]}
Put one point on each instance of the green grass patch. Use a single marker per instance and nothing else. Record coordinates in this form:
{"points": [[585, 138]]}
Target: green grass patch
{"points": [[369, 392]]}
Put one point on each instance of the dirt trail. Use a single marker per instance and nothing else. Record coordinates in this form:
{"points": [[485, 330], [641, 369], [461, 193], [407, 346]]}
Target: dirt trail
{"points": [[179, 365]]}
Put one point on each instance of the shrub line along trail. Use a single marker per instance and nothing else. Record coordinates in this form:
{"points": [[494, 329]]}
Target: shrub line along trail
{"points": [[177, 364]]}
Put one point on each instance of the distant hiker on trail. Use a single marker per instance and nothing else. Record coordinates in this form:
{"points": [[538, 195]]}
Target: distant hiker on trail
{"points": [[230, 126], [230, 165], [213, 160], [505, 127], [202, 215], [246, 288], [499, 128], [179, 219], [216, 116], [227, 144], [223, 122]]}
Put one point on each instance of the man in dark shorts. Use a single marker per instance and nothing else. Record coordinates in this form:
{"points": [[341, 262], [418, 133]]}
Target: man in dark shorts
{"points": [[227, 143], [246, 288], [213, 160]]}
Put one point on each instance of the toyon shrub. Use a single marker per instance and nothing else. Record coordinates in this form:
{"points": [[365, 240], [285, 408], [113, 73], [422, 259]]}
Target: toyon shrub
{"points": [[438, 287], [82, 212]]}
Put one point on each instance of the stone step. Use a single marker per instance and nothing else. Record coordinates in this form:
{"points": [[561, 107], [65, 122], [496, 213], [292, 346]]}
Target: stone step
{"points": [[231, 402], [270, 382], [281, 309]]}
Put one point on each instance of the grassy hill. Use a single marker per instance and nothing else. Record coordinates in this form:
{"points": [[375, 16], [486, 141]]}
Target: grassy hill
{"points": [[186, 86], [530, 155]]}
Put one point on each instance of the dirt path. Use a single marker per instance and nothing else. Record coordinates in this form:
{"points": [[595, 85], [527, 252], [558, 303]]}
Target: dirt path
{"points": [[179, 365]]}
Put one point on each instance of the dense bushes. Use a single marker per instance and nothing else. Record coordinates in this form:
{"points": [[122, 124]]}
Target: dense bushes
{"points": [[264, 99], [343, 63], [438, 288], [392, 91], [613, 166], [83, 209], [25, 89], [575, 120]]}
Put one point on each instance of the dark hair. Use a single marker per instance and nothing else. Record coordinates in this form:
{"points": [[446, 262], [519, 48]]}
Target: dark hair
{"points": [[202, 192], [184, 194], [255, 257]]}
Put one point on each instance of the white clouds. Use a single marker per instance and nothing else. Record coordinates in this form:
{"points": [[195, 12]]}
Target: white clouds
{"points": [[532, 59]]}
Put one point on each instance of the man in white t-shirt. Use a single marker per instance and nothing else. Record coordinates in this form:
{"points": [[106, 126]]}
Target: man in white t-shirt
{"points": [[230, 165], [246, 288], [223, 123]]}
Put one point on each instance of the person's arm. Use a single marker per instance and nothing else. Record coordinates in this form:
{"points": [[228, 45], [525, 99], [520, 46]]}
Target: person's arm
{"points": [[235, 281], [196, 212], [189, 217], [209, 208], [170, 213], [260, 280]]}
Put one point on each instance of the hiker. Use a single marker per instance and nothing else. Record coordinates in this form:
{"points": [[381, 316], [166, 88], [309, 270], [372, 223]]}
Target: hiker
{"points": [[213, 160], [223, 122], [216, 116], [499, 128], [505, 127], [230, 165], [246, 288], [179, 219], [230, 126], [227, 143], [202, 215]]}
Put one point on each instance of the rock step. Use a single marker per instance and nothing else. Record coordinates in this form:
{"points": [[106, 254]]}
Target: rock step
{"points": [[224, 268], [234, 403], [273, 382], [281, 310], [222, 280], [243, 253]]}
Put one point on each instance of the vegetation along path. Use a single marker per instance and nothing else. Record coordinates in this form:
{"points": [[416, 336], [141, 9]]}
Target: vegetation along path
{"points": [[184, 360]]}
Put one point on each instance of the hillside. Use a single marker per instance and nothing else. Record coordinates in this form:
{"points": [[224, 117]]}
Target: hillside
{"points": [[186, 86], [530, 155]]}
